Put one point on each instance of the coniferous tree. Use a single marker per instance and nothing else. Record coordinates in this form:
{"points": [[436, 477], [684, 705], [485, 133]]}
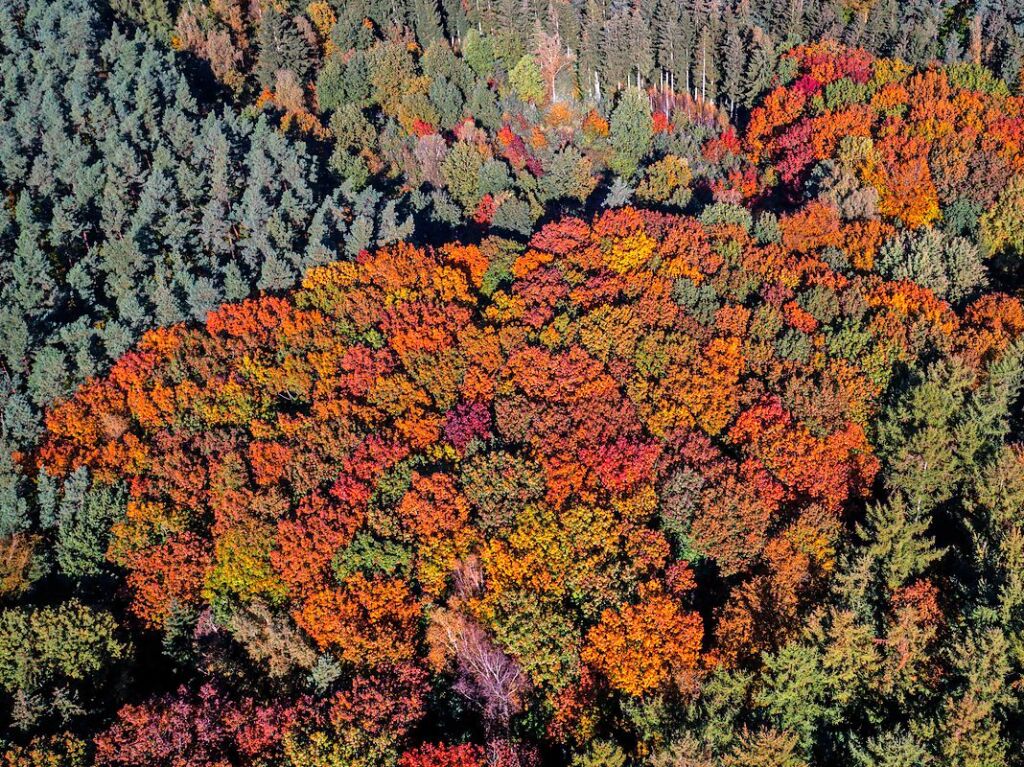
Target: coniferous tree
{"points": [[733, 58], [280, 46], [427, 22], [630, 131]]}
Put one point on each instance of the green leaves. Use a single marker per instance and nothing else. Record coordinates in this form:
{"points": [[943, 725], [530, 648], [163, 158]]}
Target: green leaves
{"points": [[50, 653], [631, 131]]}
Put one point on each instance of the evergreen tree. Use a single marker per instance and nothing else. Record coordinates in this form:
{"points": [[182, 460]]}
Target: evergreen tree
{"points": [[733, 57], [280, 46], [631, 131], [427, 22]]}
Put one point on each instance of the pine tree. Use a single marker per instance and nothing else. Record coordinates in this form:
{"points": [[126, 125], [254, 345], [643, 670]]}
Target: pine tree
{"points": [[280, 46], [617, 59], [760, 68], [733, 56], [83, 520], [427, 22], [640, 45], [631, 131], [589, 58], [898, 542], [670, 41]]}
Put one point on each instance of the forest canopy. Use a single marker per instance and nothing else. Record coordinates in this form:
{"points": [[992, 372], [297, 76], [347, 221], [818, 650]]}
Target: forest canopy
{"points": [[511, 384]]}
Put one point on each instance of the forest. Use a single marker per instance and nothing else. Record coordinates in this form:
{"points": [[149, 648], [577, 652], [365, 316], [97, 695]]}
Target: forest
{"points": [[511, 383]]}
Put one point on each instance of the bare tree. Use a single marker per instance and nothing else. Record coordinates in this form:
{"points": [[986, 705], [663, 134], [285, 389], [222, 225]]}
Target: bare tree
{"points": [[551, 59], [486, 675]]}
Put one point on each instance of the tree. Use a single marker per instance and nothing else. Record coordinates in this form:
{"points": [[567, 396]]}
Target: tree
{"points": [[201, 727], [551, 60], [734, 57], [645, 646], [464, 755], [487, 676], [53, 660], [1000, 226], [427, 22], [280, 46], [461, 171], [631, 131], [527, 79]]}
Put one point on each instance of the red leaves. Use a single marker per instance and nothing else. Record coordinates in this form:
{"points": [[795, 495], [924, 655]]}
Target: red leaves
{"points": [[200, 730], [165, 575], [268, 461], [386, 704], [394, 447], [255, 319], [464, 755], [923, 137], [421, 128], [827, 470], [807, 85], [727, 143], [661, 123], [466, 422], [485, 210], [827, 62]]}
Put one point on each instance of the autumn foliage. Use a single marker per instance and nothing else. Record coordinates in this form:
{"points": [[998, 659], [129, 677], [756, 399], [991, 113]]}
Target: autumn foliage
{"points": [[598, 467], [537, 440], [906, 147]]}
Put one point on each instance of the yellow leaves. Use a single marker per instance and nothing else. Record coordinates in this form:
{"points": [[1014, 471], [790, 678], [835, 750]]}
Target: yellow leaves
{"points": [[324, 364], [529, 556], [889, 71], [906, 190], [439, 374], [438, 558], [550, 336], [144, 523], [639, 507], [451, 284], [1002, 225], [610, 331], [335, 274], [667, 180], [709, 389], [227, 403], [17, 553], [242, 565], [396, 394], [324, 19], [324, 287], [814, 539], [629, 253], [443, 452]]}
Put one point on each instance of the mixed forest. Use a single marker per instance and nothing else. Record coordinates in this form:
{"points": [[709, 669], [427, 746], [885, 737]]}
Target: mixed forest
{"points": [[511, 383]]}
